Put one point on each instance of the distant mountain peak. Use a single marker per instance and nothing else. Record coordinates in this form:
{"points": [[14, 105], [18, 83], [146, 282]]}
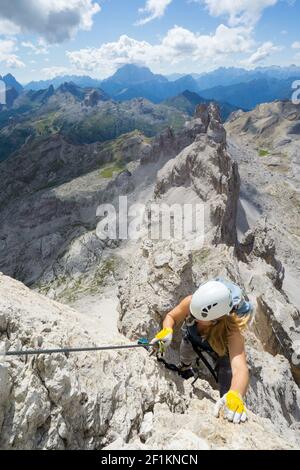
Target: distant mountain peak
{"points": [[68, 86], [82, 81], [133, 74], [190, 94], [90, 96], [11, 82], [9, 76]]}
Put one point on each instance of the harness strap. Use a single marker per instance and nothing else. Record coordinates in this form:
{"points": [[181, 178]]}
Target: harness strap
{"points": [[198, 350], [206, 363], [184, 374], [174, 368], [168, 366]]}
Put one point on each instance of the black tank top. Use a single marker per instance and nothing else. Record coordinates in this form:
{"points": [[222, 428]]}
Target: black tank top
{"points": [[191, 333]]}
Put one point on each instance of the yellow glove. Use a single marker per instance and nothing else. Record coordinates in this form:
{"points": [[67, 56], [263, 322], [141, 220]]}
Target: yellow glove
{"points": [[163, 339], [234, 407]]}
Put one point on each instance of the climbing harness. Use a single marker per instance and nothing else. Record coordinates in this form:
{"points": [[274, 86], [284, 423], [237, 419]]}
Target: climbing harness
{"points": [[185, 374], [205, 362]]}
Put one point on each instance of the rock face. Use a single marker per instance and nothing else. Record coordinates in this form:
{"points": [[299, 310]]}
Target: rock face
{"points": [[125, 399], [265, 144], [165, 272], [197, 430], [54, 198], [54, 187], [102, 400], [80, 401], [273, 392], [162, 274]]}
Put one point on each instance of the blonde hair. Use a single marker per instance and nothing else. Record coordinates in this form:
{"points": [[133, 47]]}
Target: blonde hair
{"points": [[217, 335]]}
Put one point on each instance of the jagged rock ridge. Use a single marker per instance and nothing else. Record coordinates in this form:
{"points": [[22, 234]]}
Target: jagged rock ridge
{"points": [[126, 400]]}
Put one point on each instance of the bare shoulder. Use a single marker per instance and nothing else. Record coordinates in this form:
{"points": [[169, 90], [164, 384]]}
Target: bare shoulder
{"points": [[182, 310], [186, 302], [236, 342]]}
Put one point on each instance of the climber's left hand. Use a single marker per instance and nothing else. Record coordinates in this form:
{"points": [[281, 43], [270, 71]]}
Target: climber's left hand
{"points": [[234, 407]]}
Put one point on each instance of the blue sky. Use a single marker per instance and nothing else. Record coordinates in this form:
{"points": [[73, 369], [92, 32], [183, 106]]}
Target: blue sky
{"points": [[43, 38]]}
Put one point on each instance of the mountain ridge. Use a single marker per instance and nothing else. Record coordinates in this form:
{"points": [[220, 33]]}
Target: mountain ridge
{"points": [[234, 86], [220, 76], [250, 94], [188, 101], [114, 291]]}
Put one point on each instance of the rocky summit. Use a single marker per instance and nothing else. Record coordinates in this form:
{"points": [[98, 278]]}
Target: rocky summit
{"points": [[63, 287]]}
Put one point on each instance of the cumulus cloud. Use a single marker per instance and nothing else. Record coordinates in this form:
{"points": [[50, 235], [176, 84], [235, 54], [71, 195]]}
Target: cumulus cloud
{"points": [[39, 48], [296, 45], [153, 9], [55, 71], [179, 45], [179, 41], [8, 28], [262, 53], [108, 57], [7, 54], [238, 11], [54, 20]]}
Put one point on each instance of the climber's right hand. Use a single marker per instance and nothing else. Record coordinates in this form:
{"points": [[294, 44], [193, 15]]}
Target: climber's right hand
{"points": [[234, 407], [163, 339]]}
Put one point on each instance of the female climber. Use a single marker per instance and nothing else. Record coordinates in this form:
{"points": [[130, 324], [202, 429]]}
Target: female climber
{"points": [[213, 322]]}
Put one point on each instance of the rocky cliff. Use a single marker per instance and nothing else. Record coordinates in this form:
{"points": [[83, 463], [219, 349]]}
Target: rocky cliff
{"points": [[266, 143], [101, 400], [126, 399], [163, 273]]}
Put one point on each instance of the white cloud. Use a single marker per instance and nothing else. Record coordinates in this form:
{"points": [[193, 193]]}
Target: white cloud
{"points": [[180, 41], [108, 57], [7, 54], [54, 20], [153, 9], [262, 53], [39, 48], [8, 28], [296, 45], [178, 46], [55, 71], [238, 11]]}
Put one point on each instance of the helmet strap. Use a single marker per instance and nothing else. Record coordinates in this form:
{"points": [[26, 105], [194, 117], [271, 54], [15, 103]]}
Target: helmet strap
{"points": [[190, 321]]}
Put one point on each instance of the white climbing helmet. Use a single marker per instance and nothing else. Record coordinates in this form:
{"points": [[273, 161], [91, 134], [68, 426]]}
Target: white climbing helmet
{"points": [[211, 301]]}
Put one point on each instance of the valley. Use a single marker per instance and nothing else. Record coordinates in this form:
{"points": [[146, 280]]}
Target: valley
{"points": [[68, 148]]}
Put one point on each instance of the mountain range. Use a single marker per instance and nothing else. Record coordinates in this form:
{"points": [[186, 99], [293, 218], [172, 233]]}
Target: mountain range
{"points": [[68, 153], [237, 87], [85, 110], [188, 100], [83, 81], [248, 95], [81, 116], [226, 76], [109, 292]]}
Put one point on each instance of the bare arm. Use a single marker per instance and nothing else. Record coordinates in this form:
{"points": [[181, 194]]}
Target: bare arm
{"points": [[178, 314], [240, 373]]}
